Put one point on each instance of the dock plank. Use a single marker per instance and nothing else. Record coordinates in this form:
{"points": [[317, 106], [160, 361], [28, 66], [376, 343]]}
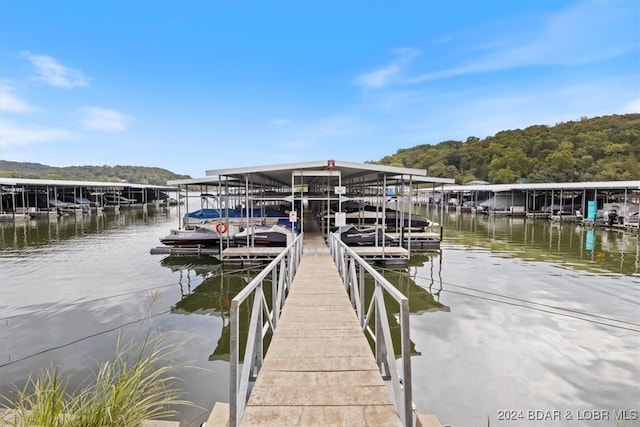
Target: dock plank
{"points": [[377, 415]]}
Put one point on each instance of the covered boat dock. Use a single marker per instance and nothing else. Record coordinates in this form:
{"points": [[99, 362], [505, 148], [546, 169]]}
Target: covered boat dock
{"points": [[323, 189], [588, 202], [23, 198]]}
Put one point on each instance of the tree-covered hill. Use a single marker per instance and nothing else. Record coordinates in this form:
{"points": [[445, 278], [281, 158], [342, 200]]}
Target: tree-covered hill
{"points": [[132, 174], [603, 148]]}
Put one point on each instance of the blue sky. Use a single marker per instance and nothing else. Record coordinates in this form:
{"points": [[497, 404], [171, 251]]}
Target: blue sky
{"points": [[197, 85]]}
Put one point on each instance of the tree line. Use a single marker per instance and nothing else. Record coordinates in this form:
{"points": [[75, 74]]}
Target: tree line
{"points": [[603, 148], [131, 174]]}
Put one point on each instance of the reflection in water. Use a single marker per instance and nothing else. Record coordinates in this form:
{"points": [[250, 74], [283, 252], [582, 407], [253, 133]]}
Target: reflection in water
{"points": [[571, 245], [219, 286], [70, 286], [48, 231], [191, 269], [509, 314], [425, 298], [542, 316], [212, 297], [421, 299], [590, 242]]}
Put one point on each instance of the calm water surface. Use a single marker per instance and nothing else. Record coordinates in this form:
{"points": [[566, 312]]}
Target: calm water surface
{"points": [[509, 317], [541, 318]]}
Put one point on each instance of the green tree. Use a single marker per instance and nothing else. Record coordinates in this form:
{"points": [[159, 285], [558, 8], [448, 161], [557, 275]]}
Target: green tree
{"points": [[502, 176]]}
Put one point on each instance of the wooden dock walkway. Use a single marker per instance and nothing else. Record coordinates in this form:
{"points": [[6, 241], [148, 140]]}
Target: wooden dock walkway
{"points": [[319, 369]]}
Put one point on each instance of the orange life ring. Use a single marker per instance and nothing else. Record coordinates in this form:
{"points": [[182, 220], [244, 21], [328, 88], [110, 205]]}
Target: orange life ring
{"points": [[221, 228]]}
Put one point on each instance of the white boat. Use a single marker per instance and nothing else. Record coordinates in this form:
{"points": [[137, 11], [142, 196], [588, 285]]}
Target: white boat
{"points": [[367, 236], [265, 235], [203, 235], [372, 215], [369, 215]]}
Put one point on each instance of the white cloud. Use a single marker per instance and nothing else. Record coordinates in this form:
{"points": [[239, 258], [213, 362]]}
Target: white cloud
{"points": [[103, 119], [54, 73], [12, 134], [12, 103], [280, 122], [379, 78], [385, 75]]}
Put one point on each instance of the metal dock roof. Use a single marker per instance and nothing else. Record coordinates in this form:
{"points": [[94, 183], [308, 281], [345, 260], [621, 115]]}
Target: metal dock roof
{"points": [[349, 171]]}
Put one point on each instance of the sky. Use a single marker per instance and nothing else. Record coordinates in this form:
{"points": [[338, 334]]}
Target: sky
{"points": [[191, 86]]}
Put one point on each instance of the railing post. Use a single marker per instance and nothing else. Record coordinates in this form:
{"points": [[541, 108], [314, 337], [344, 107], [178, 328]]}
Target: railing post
{"points": [[288, 262], [234, 365], [406, 363], [259, 350], [275, 303], [379, 336], [362, 294]]}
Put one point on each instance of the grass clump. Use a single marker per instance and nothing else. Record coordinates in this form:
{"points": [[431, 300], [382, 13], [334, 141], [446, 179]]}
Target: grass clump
{"points": [[43, 405], [137, 384]]}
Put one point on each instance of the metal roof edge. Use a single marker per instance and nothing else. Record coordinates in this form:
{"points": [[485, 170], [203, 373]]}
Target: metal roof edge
{"points": [[547, 186], [70, 183], [383, 168], [203, 180], [256, 169], [318, 164], [422, 179]]}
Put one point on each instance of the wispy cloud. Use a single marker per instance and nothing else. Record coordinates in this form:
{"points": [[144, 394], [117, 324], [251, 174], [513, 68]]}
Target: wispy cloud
{"points": [[12, 103], [173, 22], [380, 77], [106, 120], [583, 33], [53, 73], [280, 122], [383, 76], [13, 134], [320, 133]]}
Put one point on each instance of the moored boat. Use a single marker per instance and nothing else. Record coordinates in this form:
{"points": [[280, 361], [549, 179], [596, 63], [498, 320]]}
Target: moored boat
{"points": [[265, 235], [393, 219], [368, 236], [203, 235]]}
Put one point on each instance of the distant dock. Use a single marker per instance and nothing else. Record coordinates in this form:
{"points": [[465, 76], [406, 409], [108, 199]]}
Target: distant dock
{"points": [[588, 203], [46, 198]]}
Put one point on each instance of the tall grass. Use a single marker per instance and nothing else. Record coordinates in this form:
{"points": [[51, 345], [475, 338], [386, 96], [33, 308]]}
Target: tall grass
{"points": [[137, 384], [42, 401]]}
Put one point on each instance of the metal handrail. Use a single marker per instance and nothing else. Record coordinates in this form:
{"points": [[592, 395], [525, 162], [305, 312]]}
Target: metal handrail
{"points": [[282, 270], [353, 270]]}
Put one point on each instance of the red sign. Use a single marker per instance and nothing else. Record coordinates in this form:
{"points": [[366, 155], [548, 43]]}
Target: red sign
{"points": [[331, 164]]}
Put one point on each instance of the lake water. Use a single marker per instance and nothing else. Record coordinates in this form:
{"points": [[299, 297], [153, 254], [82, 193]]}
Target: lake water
{"points": [[512, 321]]}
